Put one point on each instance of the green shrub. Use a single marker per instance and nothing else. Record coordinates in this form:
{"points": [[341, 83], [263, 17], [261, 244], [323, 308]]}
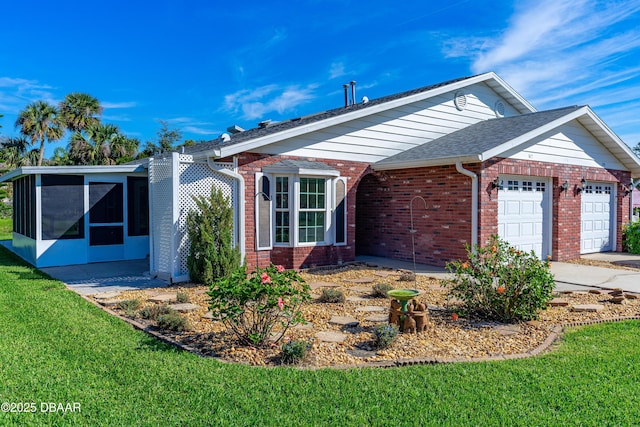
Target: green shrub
{"points": [[631, 237], [380, 290], [153, 312], [294, 351], [331, 295], [182, 297], [211, 251], [251, 305], [499, 282], [384, 334], [129, 305], [172, 321]]}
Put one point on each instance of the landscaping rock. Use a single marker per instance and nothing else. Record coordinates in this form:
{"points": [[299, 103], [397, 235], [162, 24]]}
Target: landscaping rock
{"points": [[208, 315], [107, 295], [618, 300], [166, 297], [631, 295], [329, 336], [361, 289], [371, 309], [589, 308], [303, 327], [361, 280], [111, 302], [508, 330], [318, 285], [558, 302], [356, 352], [597, 291], [377, 318], [344, 321], [184, 307], [356, 299], [384, 273]]}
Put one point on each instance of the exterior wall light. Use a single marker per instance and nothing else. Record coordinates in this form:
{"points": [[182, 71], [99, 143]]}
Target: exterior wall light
{"points": [[495, 183], [580, 188]]}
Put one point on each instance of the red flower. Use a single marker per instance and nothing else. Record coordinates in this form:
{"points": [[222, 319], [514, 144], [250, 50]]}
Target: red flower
{"points": [[454, 316], [280, 303], [265, 278], [464, 265], [494, 249], [279, 268], [500, 289]]}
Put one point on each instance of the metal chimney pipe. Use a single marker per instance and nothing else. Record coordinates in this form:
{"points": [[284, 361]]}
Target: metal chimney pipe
{"points": [[346, 95], [353, 92]]}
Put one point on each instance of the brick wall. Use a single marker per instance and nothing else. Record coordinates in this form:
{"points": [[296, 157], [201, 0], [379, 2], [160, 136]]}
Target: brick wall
{"points": [[566, 207], [248, 165], [381, 225]]}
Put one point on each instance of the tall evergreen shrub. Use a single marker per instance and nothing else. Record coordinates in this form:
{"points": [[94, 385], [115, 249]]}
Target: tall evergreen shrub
{"points": [[210, 227]]}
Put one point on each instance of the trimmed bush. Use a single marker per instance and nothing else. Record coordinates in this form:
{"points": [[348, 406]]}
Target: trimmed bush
{"points": [[384, 334], [129, 305], [211, 251], [153, 312], [294, 352], [499, 282], [380, 290], [407, 276], [172, 321], [331, 296]]}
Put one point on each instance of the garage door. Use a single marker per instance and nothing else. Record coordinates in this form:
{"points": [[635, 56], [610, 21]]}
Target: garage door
{"points": [[523, 213], [595, 235]]}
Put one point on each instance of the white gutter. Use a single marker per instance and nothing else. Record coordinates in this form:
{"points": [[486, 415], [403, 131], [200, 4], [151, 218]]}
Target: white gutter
{"points": [[240, 213], [474, 202]]}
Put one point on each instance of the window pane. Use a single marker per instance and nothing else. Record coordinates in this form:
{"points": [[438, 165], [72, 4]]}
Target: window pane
{"points": [[106, 235], [311, 227], [105, 202], [62, 207], [282, 227]]}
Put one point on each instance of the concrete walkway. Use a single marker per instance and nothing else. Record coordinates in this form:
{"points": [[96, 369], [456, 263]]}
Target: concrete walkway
{"points": [[102, 277]]}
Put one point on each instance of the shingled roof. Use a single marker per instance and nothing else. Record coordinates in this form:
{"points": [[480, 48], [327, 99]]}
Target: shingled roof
{"points": [[274, 128], [474, 140]]}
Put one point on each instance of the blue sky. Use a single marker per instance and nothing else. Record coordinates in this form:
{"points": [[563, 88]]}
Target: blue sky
{"points": [[205, 65]]}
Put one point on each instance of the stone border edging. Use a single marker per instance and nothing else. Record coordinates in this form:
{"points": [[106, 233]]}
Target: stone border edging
{"points": [[556, 332]]}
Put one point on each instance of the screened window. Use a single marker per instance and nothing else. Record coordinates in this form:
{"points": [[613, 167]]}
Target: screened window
{"points": [[62, 207], [24, 206], [105, 202], [311, 216], [138, 206], [282, 209]]}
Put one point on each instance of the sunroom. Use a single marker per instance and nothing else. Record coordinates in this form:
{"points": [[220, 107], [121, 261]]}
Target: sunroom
{"points": [[80, 214]]}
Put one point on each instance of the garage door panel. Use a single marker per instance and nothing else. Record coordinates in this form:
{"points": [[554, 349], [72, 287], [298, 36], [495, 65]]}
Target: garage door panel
{"points": [[596, 234], [522, 212]]}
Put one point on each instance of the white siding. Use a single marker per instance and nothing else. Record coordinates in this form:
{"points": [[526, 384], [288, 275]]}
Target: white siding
{"points": [[384, 134], [569, 144]]}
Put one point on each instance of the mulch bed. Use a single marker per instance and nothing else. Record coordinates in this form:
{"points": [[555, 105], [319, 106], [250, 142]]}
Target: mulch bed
{"points": [[445, 339]]}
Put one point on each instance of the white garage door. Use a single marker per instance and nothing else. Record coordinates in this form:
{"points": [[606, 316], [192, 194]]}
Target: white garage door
{"points": [[595, 235], [523, 213]]}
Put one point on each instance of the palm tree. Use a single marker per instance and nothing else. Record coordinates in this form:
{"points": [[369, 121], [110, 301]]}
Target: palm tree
{"points": [[40, 122], [14, 150], [78, 111]]}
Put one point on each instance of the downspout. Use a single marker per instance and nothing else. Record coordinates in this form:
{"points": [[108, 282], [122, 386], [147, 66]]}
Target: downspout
{"points": [[240, 213], [474, 202]]}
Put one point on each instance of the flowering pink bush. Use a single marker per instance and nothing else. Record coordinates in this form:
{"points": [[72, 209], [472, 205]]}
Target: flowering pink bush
{"points": [[251, 305]]}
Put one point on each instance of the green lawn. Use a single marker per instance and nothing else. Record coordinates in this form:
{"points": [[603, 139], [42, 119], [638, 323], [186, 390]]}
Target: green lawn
{"points": [[56, 347], [6, 227]]}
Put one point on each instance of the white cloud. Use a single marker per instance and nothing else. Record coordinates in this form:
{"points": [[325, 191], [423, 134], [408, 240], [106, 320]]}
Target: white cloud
{"points": [[562, 52], [336, 70], [256, 103], [16, 93], [118, 105]]}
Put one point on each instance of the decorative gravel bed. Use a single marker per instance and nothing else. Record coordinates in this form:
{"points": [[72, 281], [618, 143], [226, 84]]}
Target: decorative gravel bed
{"points": [[443, 339]]}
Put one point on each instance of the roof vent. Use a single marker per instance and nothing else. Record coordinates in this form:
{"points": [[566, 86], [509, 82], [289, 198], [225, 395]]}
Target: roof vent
{"points": [[264, 123], [499, 108], [365, 99], [225, 137], [460, 100], [234, 129]]}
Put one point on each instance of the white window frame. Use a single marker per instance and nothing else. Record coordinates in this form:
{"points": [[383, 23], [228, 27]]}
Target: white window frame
{"points": [[334, 213], [275, 209]]}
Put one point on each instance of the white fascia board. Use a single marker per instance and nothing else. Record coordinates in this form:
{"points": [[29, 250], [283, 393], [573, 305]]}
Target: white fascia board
{"points": [[528, 108], [422, 163], [300, 171], [70, 170], [342, 118]]}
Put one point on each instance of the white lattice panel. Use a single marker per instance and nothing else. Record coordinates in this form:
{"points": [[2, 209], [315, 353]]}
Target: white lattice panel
{"points": [[161, 186], [197, 179]]}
